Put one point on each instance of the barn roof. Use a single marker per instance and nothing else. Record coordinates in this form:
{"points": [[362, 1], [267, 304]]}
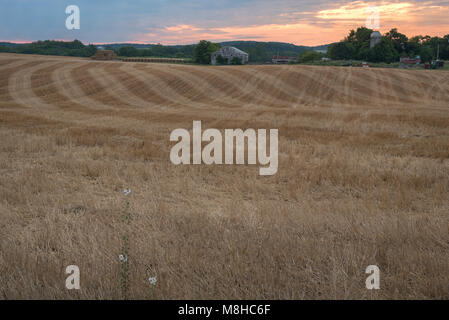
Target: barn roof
{"points": [[228, 49]]}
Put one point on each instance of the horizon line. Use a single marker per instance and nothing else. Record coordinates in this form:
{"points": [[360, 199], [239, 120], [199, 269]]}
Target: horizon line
{"points": [[149, 43]]}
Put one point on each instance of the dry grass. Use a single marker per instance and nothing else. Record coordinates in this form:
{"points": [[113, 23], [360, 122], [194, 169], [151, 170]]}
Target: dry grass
{"points": [[363, 179]]}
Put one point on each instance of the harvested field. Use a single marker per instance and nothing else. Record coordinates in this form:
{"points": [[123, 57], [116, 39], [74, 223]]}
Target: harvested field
{"points": [[363, 180]]}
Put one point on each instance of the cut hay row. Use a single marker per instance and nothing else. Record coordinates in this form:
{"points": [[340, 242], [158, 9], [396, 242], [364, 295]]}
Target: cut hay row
{"points": [[155, 60]]}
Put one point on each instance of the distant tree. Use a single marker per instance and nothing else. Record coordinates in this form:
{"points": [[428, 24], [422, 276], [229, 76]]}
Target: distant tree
{"points": [[363, 53], [128, 52], [425, 39], [203, 51], [416, 39], [392, 46], [90, 50], [76, 44], [426, 54], [444, 53], [360, 41], [398, 40], [442, 44], [360, 36], [412, 47], [341, 51], [50, 47], [383, 52], [309, 56], [146, 52], [258, 53]]}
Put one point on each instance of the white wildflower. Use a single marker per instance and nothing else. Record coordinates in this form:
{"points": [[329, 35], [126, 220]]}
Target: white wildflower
{"points": [[122, 258], [152, 280]]}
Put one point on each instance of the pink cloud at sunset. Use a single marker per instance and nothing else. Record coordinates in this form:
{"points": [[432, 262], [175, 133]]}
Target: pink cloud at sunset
{"points": [[314, 28], [302, 22]]}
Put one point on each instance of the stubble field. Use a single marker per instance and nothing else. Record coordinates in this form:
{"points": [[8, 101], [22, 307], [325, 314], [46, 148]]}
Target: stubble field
{"points": [[363, 180]]}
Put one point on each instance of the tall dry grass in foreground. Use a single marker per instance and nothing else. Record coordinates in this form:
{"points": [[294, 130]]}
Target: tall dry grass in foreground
{"points": [[363, 179]]}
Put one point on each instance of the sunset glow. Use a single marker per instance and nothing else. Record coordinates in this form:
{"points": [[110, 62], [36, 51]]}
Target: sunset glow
{"points": [[319, 27], [185, 23]]}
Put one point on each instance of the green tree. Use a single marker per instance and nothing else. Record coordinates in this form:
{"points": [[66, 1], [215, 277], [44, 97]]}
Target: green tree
{"points": [[309, 56], [359, 38], [258, 53], [398, 40], [413, 46], [341, 51], [75, 44], [426, 54], [203, 51], [416, 39], [5, 49], [444, 53], [90, 50], [128, 52], [383, 52]]}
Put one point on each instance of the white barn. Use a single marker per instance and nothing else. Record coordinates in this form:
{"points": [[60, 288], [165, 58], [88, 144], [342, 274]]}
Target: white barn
{"points": [[229, 53]]}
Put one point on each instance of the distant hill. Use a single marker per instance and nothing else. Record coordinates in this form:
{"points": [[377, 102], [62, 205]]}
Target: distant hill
{"points": [[264, 51], [281, 46], [10, 44], [258, 51]]}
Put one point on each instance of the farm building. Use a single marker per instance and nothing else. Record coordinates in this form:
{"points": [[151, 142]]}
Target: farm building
{"points": [[376, 38], [105, 55], [406, 61], [283, 60], [229, 53], [410, 61]]}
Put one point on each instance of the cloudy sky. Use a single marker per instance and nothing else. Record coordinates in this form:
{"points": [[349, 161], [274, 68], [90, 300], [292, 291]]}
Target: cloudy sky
{"points": [[302, 22]]}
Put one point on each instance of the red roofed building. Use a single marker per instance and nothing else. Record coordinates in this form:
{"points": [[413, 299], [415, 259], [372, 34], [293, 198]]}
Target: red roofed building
{"points": [[410, 61]]}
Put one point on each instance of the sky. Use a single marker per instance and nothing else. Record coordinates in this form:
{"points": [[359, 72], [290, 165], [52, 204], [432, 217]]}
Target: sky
{"points": [[302, 22]]}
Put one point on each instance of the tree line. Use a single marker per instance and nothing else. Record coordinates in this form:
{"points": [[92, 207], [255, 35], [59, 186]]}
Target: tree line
{"points": [[355, 46], [392, 46], [201, 52], [50, 47], [157, 50]]}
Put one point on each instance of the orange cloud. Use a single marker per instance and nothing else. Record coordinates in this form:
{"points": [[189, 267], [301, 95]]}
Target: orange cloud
{"points": [[410, 18], [182, 27], [357, 11], [319, 27]]}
